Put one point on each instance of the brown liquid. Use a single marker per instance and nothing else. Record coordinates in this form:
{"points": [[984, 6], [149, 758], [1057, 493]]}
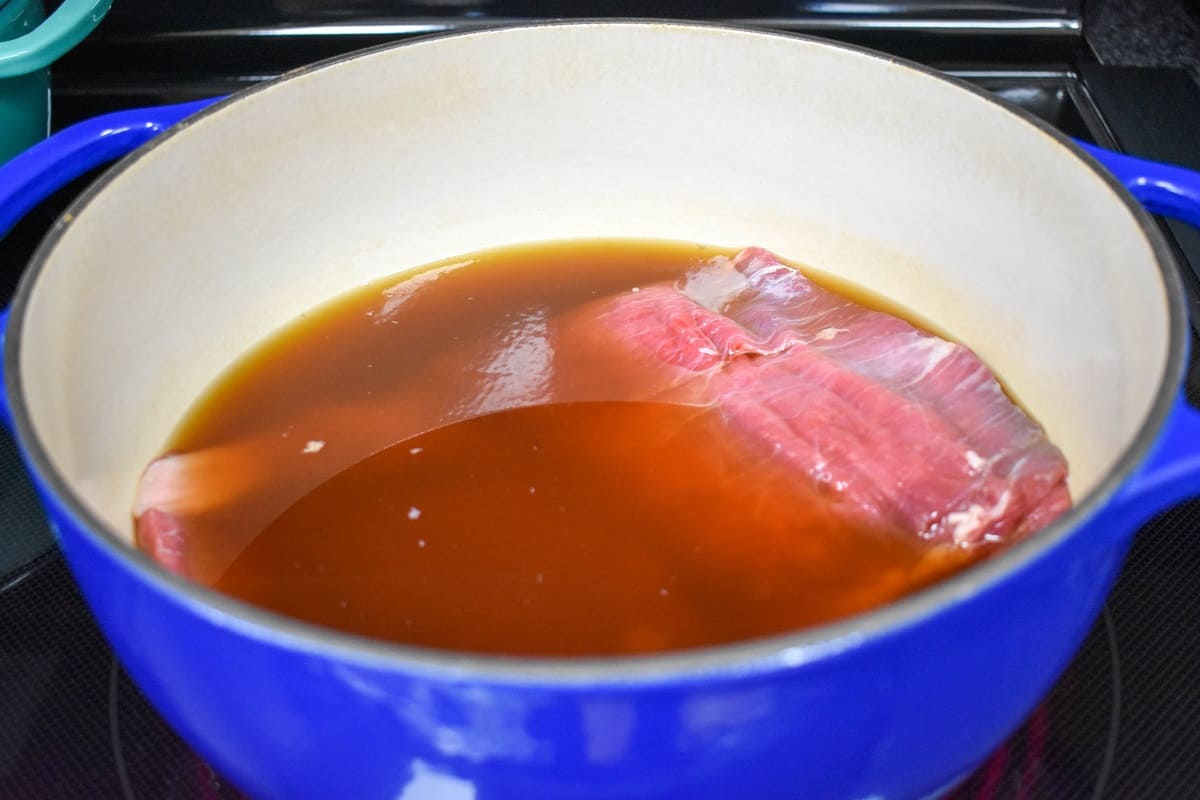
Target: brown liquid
{"points": [[566, 528], [571, 529]]}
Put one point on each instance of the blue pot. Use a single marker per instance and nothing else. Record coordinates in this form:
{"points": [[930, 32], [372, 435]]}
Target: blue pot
{"points": [[199, 243]]}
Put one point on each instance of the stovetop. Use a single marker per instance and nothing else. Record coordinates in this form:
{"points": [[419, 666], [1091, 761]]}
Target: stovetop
{"points": [[1123, 721]]}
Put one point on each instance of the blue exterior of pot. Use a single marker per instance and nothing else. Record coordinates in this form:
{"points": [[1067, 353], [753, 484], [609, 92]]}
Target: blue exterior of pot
{"points": [[893, 705], [897, 714]]}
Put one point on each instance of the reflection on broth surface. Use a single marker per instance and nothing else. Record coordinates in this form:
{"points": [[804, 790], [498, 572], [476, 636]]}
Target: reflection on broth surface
{"points": [[594, 448]]}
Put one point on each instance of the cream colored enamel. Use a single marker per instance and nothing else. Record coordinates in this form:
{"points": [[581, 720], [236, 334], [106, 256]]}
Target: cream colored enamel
{"points": [[862, 168]]}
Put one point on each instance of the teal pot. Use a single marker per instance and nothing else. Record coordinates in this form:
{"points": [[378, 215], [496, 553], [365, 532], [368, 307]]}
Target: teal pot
{"points": [[29, 43]]}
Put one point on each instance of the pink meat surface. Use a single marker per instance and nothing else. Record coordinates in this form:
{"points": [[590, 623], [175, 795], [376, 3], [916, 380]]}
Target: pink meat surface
{"points": [[899, 429], [896, 425]]}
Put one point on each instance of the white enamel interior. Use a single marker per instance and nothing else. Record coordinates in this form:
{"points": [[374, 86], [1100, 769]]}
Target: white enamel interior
{"points": [[889, 177]]}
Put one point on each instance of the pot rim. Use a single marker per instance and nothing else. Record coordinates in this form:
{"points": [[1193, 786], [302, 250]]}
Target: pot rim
{"points": [[779, 651]]}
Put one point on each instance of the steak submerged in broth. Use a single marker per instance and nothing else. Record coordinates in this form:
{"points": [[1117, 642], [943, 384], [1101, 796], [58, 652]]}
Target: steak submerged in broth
{"points": [[596, 448], [899, 426]]}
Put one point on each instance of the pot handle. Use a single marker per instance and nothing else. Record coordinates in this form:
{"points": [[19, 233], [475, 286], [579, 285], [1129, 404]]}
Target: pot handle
{"points": [[1162, 188], [1170, 474], [49, 165], [45, 44], [41, 170], [1172, 471]]}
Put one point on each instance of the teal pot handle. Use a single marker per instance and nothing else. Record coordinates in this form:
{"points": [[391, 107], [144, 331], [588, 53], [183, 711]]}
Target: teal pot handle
{"points": [[62, 30]]}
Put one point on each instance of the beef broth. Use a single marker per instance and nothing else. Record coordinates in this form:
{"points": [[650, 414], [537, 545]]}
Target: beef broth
{"points": [[594, 448], [574, 529]]}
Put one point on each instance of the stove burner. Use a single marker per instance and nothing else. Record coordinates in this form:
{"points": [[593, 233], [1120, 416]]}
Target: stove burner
{"points": [[151, 761], [1020, 768]]}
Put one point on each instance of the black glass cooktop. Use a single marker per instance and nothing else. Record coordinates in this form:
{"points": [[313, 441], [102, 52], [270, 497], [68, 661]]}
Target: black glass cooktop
{"points": [[1124, 720]]}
